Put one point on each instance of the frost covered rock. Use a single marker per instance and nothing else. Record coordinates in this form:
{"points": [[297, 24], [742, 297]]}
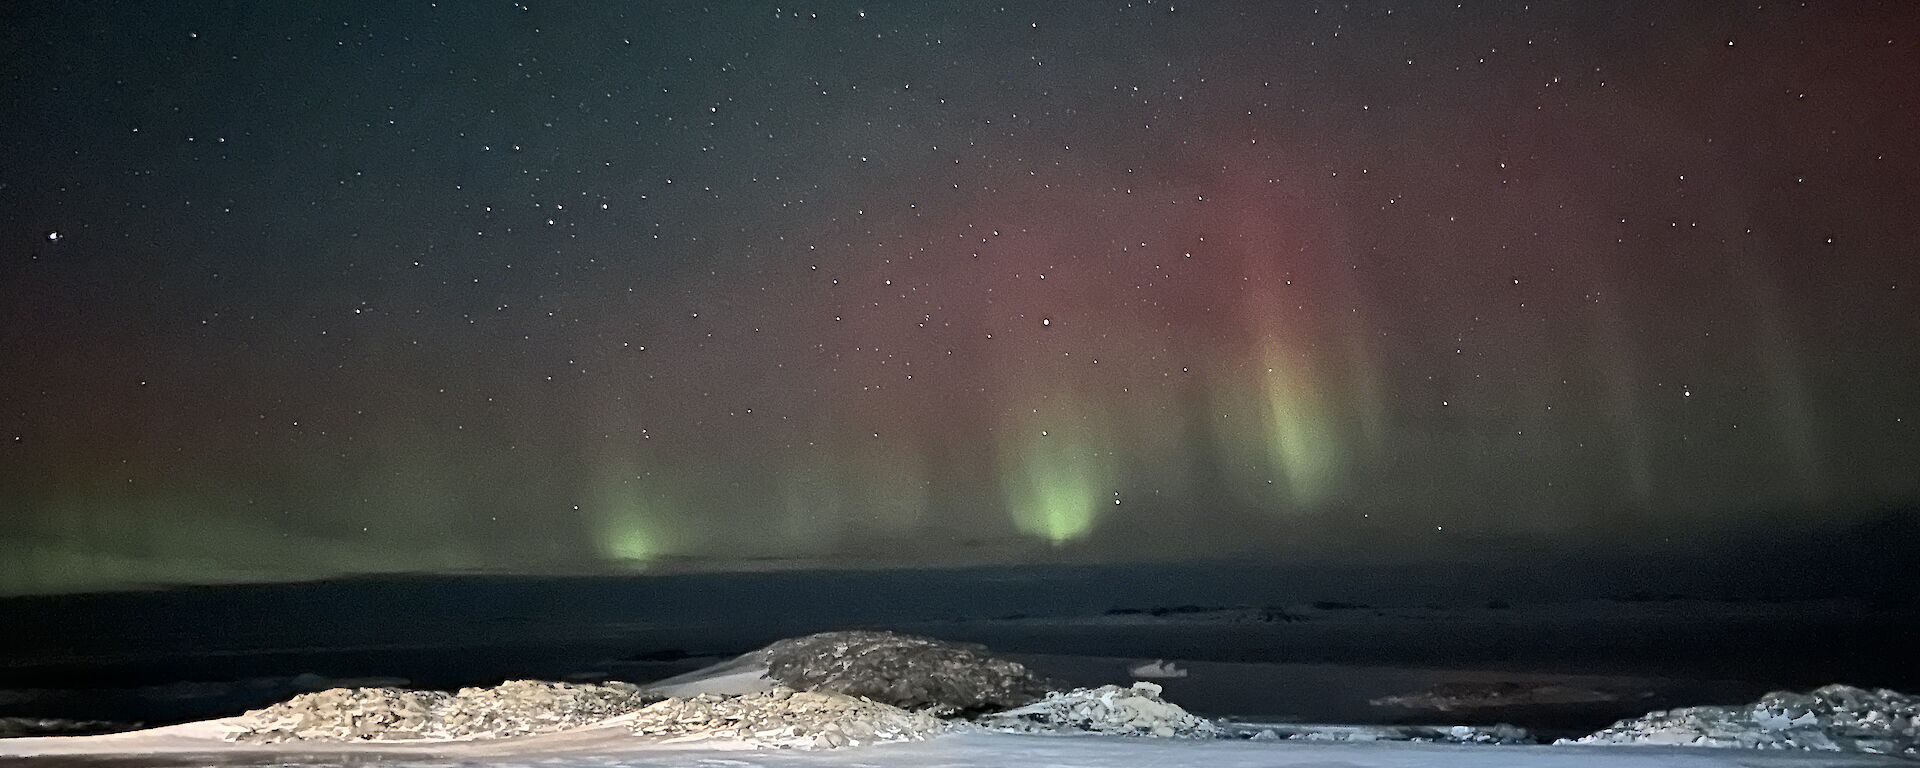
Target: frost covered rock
{"points": [[783, 718], [907, 671], [1498, 733], [1836, 718], [348, 714], [520, 707], [514, 708], [1447, 734], [1109, 709], [854, 688]]}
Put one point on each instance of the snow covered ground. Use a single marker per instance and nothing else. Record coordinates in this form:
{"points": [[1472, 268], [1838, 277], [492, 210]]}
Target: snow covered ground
{"points": [[611, 747]]}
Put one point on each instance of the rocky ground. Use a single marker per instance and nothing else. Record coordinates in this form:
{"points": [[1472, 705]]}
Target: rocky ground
{"points": [[1109, 709], [830, 690], [1836, 718], [514, 708], [844, 689], [907, 671], [785, 718]]}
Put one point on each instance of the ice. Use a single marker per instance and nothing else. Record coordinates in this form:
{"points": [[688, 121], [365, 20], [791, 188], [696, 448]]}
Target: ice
{"points": [[1157, 669], [616, 748]]}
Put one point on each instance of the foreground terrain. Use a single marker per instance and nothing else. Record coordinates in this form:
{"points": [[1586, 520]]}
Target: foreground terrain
{"points": [[865, 698], [611, 747]]}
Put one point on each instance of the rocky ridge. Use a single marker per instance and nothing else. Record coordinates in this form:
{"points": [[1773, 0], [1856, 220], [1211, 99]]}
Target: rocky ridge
{"points": [[906, 671], [785, 718], [513, 708], [1836, 718], [1109, 709]]}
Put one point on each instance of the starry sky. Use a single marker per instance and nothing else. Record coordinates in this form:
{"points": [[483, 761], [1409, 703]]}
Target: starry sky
{"points": [[297, 290]]}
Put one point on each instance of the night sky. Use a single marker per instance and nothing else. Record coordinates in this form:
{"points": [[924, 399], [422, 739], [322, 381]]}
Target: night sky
{"points": [[295, 290]]}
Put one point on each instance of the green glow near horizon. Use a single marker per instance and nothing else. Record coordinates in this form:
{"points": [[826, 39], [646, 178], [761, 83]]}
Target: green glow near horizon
{"points": [[1054, 488], [1063, 508], [1300, 442], [628, 526], [110, 537], [628, 537]]}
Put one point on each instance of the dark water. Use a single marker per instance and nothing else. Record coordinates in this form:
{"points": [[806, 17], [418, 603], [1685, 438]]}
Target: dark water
{"points": [[186, 654]]}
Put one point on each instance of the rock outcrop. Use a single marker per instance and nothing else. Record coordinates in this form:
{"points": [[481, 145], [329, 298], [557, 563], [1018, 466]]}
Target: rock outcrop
{"points": [[906, 671], [785, 718], [837, 689], [1109, 709], [514, 708], [1836, 718]]}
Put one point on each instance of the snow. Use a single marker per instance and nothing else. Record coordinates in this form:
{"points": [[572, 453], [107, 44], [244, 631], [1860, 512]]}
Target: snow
{"points": [[748, 680], [613, 746], [730, 678]]}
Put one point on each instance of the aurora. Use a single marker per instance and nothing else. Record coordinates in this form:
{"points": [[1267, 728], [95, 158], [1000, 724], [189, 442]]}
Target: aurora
{"points": [[719, 288]]}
